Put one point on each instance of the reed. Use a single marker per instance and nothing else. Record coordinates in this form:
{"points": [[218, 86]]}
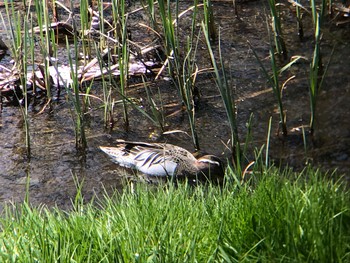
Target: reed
{"points": [[228, 100], [317, 72], [108, 101], [319, 12], [121, 33], [86, 41], [150, 6], [267, 162], [182, 71], [21, 46], [314, 76], [300, 27], [274, 82], [47, 41], [73, 93], [209, 20], [26, 54], [157, 111], [277, 30]]}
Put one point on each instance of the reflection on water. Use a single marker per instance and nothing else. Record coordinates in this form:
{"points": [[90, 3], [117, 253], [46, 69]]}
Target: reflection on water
{"points": [[55, 163]]}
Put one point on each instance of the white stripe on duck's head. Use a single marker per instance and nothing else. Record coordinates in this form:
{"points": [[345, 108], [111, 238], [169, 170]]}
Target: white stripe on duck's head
{"points": [[160, 159]]}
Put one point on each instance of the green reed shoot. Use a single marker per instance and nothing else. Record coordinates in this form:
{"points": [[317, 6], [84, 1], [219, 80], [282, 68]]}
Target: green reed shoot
{"points": [[228, 100], [181, 70], [15, 31], [21, 45], [26, 45], [46, 43], [317, 75], [268, 143], [209, 19], [318, 12], [121, 33], [277, 30], [84, 26], [300, 27], [151, 12], [277, 89], [108, 101], [157, 112], [274, 82], [80, 138], [314, 76]]}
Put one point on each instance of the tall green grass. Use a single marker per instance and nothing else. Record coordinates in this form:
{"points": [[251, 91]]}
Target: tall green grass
{"points": [[275, 217]]}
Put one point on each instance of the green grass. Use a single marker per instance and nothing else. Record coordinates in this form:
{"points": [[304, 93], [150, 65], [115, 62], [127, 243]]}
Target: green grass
{"points": [[277, 216]]}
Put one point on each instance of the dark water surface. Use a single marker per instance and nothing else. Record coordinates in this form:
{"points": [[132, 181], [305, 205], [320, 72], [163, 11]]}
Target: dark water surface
{"points": [[55, 162]]}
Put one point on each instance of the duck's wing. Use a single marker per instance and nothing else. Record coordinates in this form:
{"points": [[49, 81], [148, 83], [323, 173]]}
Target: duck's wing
{"points": [[148, 158]]}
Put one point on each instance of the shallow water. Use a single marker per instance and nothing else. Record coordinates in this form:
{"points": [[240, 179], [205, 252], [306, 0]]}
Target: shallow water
{"points": [[55, 163]]}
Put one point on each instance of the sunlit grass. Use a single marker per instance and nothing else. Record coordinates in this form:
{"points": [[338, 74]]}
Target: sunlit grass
{"points": [[276, 216]]}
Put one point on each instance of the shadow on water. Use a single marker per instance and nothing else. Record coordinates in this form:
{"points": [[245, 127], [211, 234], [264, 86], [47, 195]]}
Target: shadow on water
{"points": [[54, 160]]}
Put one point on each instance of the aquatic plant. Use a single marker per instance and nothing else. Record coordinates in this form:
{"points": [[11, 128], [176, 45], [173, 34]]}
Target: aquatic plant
{"points": [[47, 42], [157, 111], [120, 22], [277, 30], [300, 27], [86, 40], [228, 100], [317, 72], [17, 44], [274, 81], [73, 92], [209, 20], [182, 71]]}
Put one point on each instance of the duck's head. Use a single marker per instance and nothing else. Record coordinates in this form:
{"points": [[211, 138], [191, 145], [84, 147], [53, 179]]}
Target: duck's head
{"points": [[211, 167]]}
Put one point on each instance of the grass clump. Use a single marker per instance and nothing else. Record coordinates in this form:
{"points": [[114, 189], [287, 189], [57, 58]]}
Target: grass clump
{"points": [[274, 218]]}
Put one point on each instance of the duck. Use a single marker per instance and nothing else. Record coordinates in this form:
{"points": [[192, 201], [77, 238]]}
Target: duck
{"points": [[164, 160]]}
